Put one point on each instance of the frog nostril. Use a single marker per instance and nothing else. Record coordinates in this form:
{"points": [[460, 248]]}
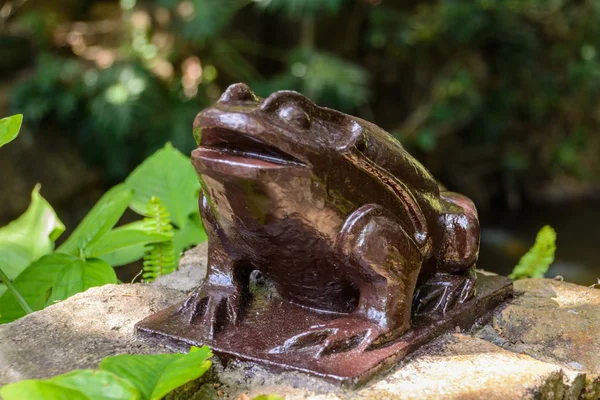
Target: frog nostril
{"points": [[361, 146], [238, 92]]}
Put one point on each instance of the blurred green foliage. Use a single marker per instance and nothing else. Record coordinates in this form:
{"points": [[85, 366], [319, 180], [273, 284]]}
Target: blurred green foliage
{"points": [[503, 94], [498, 97]]}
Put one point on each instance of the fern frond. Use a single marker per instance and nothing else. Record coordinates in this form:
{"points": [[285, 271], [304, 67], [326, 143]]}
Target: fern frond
{"points": [[160, 257], [535, 263]]}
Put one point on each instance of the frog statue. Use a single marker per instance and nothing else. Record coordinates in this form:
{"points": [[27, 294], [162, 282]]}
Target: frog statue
{"points": [[334, 213]]}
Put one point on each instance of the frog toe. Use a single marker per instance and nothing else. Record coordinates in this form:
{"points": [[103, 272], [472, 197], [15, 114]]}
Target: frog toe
{"points": [[443, 292], [339, 336], [210, 309]]}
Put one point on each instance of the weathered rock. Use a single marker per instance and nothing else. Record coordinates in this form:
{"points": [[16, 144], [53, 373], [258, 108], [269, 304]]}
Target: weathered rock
{"points": [[543, 344], [80, 331], [455, 366], [552, 321]]}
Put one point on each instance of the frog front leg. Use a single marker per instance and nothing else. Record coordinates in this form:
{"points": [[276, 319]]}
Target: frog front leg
{"points": [[218, 301], [383, 262]]}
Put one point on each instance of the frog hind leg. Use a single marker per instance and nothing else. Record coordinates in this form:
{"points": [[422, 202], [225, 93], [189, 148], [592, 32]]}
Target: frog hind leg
{"points": [[383, 262], [454, 281]]}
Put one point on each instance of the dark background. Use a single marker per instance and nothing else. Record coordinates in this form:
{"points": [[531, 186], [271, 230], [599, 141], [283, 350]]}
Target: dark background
{"points": [[500, 99]]}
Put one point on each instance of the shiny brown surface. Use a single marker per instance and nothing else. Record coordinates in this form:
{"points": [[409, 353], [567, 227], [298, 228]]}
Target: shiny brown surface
{"points": [[338, 218]]}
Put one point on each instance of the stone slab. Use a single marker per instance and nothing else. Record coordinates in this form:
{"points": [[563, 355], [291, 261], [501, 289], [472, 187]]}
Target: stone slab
{"points": [[552, 321], [80, 332], [542, 345], [454, 366]]}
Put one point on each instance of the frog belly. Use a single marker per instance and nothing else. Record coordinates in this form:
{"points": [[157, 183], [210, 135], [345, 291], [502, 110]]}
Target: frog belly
{"points": [[303, 265]]}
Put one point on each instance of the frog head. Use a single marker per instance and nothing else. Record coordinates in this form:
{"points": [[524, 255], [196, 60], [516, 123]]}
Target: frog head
{"points": [[243, 135]]}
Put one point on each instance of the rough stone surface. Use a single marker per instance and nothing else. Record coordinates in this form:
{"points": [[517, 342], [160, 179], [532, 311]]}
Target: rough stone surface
{"points": [[544, 344], [552, 321], [455, 366], [80, 331]]}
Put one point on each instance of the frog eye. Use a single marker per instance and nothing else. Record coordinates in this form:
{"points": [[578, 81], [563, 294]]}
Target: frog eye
{"points": [[294, 116]]}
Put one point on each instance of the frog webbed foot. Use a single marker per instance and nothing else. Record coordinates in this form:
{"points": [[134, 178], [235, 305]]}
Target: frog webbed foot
{"points": [[211, 308], [443, 292], [345, 334]]}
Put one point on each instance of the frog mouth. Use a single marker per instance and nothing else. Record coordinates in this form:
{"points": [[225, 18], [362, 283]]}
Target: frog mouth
{"points": [[238, 148]]}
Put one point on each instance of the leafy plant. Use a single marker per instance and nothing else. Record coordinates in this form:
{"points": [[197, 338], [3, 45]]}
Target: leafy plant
{"points": [[535, 263], [30, 236], [57, 276], [160, 257], [25, 239], [38, 275], [168, 175], [157, 375], [126, 377]]}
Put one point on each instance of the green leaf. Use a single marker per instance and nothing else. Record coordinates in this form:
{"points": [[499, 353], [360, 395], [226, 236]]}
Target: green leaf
{"points": [[535, 263], [124, 237], [30, 236], [39, 390], [100, 385], [157, 375], [82, 384], [80, 275], [168, 175], [9, 128], [34, 284], [101, 218], [125, 256], [268, 397], [191, 234]]}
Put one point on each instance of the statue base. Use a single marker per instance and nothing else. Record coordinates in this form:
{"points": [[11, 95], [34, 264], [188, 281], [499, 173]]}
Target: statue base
{"points": [[267, 324]]}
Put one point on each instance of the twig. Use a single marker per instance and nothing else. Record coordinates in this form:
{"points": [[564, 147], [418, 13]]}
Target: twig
{"points": [[135, 277], [13, 290]]}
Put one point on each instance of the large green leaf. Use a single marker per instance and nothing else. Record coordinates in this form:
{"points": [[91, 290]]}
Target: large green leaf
{"points": [[168, 175], [82, 384], [157, 375], [124, 237], [191, 234], [30, 236], [101, 218], [34, 284], [125, 256], [80, 275], [100, 385], [39, 390], [9, 128]]}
